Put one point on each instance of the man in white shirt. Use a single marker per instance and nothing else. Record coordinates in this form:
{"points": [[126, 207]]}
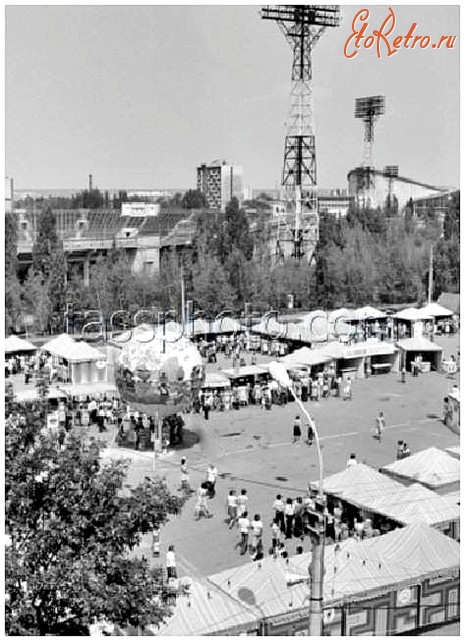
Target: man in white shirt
{"points": [[244, 528], [211, 477], [256, 535], [171, 562]]}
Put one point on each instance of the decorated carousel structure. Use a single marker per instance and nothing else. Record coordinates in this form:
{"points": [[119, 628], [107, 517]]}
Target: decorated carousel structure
{"points": [[159, 373]]}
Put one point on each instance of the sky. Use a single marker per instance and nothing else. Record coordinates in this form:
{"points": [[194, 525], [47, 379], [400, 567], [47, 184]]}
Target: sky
{"points": [[139, 96]]}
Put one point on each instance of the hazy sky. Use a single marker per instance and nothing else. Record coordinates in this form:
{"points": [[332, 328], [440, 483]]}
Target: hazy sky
{"points": [[139, 96]]}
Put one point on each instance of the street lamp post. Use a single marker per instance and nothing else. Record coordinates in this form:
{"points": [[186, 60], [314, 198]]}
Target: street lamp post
{"points": [[316, 569]]}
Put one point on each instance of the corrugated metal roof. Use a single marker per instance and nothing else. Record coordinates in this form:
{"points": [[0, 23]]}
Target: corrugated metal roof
{"points": [[432, 467]]}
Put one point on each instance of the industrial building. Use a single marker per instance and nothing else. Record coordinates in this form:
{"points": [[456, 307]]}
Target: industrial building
{"points": [[370, 187], [219, 182]]}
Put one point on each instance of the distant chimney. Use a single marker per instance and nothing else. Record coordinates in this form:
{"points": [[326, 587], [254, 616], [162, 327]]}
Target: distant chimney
{"points": [[90, 183]]}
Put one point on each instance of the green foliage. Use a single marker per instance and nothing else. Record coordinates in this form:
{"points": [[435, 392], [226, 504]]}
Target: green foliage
{"points": [[72, 527], [193, 199]]}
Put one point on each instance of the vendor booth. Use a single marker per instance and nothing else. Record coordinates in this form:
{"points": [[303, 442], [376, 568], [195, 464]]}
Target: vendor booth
{"points": [[14, 345], [250, 374], [416, 503], [76, 362], [425, 353], [215, 381], [411, 323], [313, 359], [433, 468], [388, 585], [363, 358]]}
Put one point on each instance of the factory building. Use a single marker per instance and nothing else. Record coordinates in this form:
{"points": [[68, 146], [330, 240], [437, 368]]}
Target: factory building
{"points": [[220, 182]]}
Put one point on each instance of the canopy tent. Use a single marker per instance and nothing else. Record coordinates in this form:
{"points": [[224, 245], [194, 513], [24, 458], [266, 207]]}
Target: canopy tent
{"points": [[226, 325], [244, 372], [305, 356], [354, 571], [91, 389], [421, 345], [416, 503], [341, 314], [369, 313], [360, 485], [76, 362], [198, 327], [436, 310], [66, 347], [432, 467], [13, 344], [301, 332], [30, 394], [204, 609], [450, 301], [215, 381], [412, 315], [270, 327]]}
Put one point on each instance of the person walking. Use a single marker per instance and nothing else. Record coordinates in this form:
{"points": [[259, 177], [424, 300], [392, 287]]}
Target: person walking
{"points": [[289, 516], [275, 532], [244, 528], [171, 562], [380, 425], [310, 439], [347, 392], [211, 478], [201, 508], [399, 450], [242, 502], [232, 508], [297, 429], [279, 515], [184, 477], [256, 546]]}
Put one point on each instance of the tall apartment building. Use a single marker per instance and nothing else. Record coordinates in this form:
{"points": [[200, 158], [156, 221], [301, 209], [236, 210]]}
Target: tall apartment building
{"points": [[220, 182]]}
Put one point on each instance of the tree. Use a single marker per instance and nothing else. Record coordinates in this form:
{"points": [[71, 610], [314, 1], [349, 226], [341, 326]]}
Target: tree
{"points": [[193, 199], [46, 243], [36, 300], [71, 528], [12, 287]]}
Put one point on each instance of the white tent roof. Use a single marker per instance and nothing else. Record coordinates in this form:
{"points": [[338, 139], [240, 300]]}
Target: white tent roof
{"points": [[369, 313], [360, 484], [419, 343], [342, 314], [412, 315], [454, 451], [436, 310], [416, 503], [305, 356], [215, 380], [432, 467], [226, 325], [66, 347], [13, 344]]}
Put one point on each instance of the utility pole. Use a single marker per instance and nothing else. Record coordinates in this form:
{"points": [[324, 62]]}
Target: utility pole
{"points": [[182, 295], [430, 274], [316, 569]]}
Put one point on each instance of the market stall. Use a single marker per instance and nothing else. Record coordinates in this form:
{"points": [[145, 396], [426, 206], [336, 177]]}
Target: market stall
{"points": [[416, 503], [76, 362], [14, 345], [433, 468], [215, 381], [411, 323], [249, 374], [311, 358], [425, 353], [392, 584]]}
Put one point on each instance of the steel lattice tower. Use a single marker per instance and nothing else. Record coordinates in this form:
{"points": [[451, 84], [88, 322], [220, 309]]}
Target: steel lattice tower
{"points": [[302, 26]]}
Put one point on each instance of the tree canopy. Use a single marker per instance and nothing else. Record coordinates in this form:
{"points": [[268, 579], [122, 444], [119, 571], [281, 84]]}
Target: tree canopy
{"points": [[72, 527]]}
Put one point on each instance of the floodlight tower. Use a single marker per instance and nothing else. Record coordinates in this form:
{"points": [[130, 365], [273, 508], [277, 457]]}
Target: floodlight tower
{"points": [[368, 110], [302, 26]]}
